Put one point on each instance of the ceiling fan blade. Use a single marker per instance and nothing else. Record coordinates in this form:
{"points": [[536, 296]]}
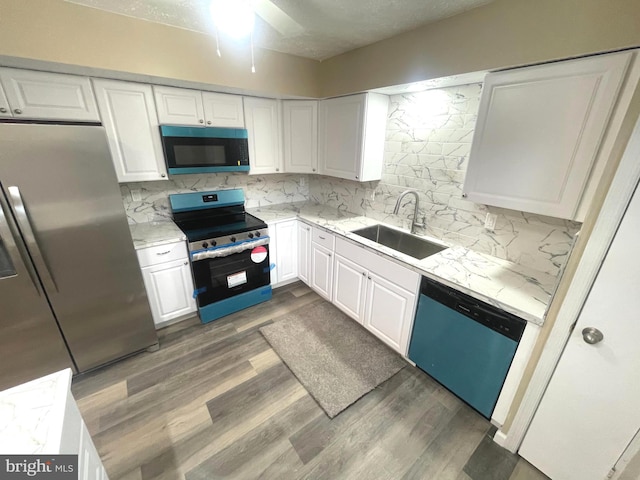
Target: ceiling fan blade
{"points": [[277, 18]]}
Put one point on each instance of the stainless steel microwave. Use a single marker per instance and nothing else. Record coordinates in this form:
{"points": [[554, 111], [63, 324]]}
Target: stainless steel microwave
{"points": [[205, 149]]}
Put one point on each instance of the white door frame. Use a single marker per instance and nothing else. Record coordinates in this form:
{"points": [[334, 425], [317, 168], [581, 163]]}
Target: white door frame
{"points": [[613, 209]]}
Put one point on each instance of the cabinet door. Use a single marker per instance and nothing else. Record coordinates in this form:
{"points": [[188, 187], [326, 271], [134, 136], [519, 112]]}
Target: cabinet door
{"points": [[321, 270], [300, 120], [538, 133], [263, 128], [49, 96], [349, 288], [170, 289], [340, 136], [5, 109], [129, 117], [304, 252], [388, 312], [179, 106], [287, 251], [222, 110]]}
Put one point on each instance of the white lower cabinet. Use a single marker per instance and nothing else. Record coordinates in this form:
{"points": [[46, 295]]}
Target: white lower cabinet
{"points": [[304, 252], [349, 287], [378, 293], [283, 252], [389, 311], [322, 244], [167, 278]]}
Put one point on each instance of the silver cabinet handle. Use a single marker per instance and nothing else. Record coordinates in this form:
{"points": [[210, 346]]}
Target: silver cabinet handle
{"points": [[163, 253], [321, 237], [592, 335], [32, 245], [464, 195], [18, 111], [329, 254], [3, 110], [368, 277], [201, 121], [277, 169], [313, 169], [163, 175], [356, 177], [186, 263], [209, 122], [364, 274]]}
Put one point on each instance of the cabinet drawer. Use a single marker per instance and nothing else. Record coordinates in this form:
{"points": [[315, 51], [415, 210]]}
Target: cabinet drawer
{"points": [[391, 271], [162, 254], [323, 238]]}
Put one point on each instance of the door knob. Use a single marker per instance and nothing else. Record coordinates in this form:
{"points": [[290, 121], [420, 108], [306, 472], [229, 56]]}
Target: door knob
{"points": [[592, 335]]}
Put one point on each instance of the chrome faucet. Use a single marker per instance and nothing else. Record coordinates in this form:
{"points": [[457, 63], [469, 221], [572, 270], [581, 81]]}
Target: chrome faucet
{"points": [[414, 223]]}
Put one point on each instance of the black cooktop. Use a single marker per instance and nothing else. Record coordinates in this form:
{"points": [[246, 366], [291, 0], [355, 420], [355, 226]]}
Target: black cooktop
{"points": [[204, 228]]}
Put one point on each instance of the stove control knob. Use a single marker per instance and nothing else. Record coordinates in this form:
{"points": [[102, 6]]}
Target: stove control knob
{"points": [[250, 235], [205, 245], [233, 239], [257, 234], [213, 243]]}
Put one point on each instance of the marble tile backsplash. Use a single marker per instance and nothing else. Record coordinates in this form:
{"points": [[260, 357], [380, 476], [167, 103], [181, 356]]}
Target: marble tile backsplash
{"points": [[427, 146], [259, 190]]}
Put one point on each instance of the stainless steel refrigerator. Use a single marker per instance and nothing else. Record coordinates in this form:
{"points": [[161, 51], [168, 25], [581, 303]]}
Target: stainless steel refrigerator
{"points": [[71, 290]]}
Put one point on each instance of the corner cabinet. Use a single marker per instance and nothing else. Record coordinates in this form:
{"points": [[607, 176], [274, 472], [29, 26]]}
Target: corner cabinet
{"points": [[46, 96], [263, 128], [129, 118], [283, 252], [300, 129], [167, 278], [304, 252], [351, 134], [181, 106], [538, 132]]}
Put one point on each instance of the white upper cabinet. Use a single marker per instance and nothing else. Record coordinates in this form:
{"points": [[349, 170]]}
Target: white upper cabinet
{"points": [[130, 120], [263, 128], [222, 110], [180, 106], [47, 96], [300, 122], [351, 134], [538, 132]]}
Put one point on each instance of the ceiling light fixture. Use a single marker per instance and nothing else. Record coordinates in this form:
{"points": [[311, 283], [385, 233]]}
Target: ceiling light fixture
{"points": [[236, 19]]}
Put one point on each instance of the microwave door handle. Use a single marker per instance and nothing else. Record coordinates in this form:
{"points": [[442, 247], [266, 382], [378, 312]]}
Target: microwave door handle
{"points": [[12, 249], [20, 212]]}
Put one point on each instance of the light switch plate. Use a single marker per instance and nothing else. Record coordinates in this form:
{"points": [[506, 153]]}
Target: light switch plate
{"points": [[490, 221]]}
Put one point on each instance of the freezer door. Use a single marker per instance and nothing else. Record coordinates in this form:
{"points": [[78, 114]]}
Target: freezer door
{"points": [[30, 342], [63, 192]]}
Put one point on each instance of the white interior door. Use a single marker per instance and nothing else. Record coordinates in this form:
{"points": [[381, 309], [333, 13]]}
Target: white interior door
{"points": [[590, 411]]}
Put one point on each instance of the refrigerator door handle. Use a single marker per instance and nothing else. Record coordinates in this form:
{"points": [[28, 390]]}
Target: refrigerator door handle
{"points": [[12, 249], [32, 245]]}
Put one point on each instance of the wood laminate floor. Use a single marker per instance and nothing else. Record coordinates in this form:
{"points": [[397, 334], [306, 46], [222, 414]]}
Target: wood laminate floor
{"points": [[216, 402]]}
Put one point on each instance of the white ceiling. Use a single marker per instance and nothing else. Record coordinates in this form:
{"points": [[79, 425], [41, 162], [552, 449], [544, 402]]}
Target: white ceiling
{"points": [[330, 27]]}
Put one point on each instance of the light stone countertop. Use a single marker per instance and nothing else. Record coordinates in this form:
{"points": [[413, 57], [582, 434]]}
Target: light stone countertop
{"points": [[523, 291], [31, 415], [152, 234]]}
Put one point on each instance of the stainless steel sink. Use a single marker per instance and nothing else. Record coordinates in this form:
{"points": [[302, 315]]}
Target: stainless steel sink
{"points": [[406, 243]]}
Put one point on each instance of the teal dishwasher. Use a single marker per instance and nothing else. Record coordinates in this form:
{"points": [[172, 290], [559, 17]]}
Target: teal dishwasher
{"points": [[465, 344]]}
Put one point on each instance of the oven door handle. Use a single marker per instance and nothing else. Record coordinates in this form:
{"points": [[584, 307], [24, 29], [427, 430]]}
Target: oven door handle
{"points": [[230, 250]]}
